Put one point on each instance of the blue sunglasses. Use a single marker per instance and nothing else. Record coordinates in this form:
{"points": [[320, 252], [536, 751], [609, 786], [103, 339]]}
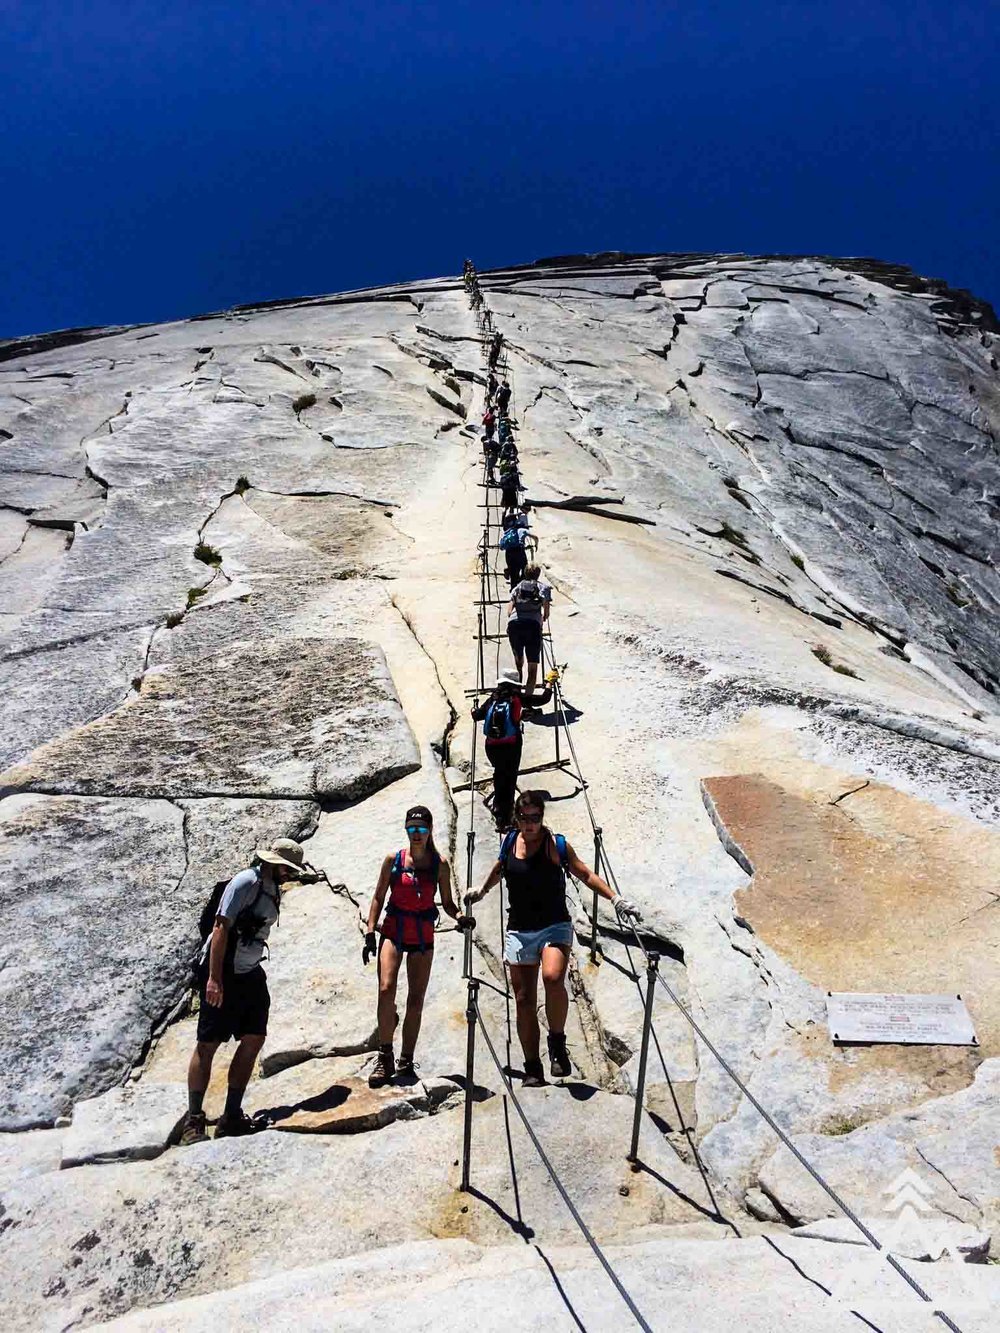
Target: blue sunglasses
{"points": [[417, 828]]}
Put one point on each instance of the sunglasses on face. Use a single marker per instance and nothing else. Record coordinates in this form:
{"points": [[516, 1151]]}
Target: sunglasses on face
{"points": [[417, 828], [530, 819]]}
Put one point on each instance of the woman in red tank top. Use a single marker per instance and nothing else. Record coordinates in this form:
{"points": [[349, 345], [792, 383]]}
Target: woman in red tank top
{"points": [[411, 877]]}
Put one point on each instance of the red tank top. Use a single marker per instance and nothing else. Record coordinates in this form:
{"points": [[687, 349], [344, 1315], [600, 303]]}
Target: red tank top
{"points": [[410, 889]]}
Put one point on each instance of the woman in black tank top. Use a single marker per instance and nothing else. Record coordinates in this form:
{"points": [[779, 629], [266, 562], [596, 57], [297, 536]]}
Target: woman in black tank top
{"points": [[534, 862]]}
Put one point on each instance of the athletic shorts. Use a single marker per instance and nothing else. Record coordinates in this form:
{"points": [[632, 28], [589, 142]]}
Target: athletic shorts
{"points": [[246, 1003], [526, 639], [525, 946], [405, 948]]}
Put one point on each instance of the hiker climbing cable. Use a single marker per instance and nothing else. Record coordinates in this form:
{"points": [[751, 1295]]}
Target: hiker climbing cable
{"points": [[534, 863], [496, 346], [503, 398], [512, 543], [505, 431], [527, 612], [490, 458], [233, 985], [411, 877], [510, 483], [501, 714]]}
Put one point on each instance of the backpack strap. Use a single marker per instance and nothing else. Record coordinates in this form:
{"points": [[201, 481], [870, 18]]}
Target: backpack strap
{"points": [[506, 847], [560, 841]]}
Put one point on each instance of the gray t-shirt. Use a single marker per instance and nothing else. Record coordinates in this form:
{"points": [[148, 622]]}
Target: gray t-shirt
{"points": [[533, 611], [239, 892]]}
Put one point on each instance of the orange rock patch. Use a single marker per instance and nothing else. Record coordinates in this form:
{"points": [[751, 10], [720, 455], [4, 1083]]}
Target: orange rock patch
{"points": [[871, 891]]}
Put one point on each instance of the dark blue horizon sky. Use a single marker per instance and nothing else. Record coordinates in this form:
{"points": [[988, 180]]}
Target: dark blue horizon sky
{"points": [[165, 160]]}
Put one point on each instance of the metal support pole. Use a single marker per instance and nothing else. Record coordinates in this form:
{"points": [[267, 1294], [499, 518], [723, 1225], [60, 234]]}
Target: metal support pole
{"points": [[470, 846], [482, 663], [652, 966], [593, 911], [470, 1061]]}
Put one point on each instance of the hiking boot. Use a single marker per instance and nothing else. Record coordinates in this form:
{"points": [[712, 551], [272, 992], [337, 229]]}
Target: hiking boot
{"points": [[194, 1129], [559, 1066], [385, 1067], [237, 1125], [534, 1075], [405, 1067]]}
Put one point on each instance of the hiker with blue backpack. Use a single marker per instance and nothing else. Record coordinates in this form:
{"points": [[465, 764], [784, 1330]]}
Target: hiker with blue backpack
{"points": [[412, 878], [534, 863], [235, 1001], [512, 542], [503, 730]]}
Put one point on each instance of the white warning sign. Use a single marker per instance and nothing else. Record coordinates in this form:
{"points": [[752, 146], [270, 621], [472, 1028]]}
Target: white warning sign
{"points": [[926, 1020]]}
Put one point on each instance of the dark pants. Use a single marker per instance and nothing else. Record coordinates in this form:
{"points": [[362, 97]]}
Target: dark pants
{"points": [[517, 558], [506, 760]]}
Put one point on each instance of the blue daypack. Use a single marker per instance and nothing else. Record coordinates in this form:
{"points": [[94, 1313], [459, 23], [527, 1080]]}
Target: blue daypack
{"points": [[511, 538], [499, 724]]}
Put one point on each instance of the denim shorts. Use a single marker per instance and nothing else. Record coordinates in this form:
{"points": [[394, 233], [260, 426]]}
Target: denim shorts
{"points": [[525, 946]]}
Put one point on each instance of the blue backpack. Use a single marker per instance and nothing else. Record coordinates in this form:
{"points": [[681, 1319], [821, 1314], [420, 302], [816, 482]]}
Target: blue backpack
{"points": [[511, 538], [499, 724], [507, 846]]}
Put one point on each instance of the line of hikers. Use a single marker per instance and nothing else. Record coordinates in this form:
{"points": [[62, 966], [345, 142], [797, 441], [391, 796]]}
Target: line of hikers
{"points": [[235, 1001], [533, 861]]}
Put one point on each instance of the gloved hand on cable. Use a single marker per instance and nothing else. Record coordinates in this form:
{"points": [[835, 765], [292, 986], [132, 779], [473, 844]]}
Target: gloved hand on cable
{"points": [[371, 947], [551, 676], [465, 922], [627, 912]]}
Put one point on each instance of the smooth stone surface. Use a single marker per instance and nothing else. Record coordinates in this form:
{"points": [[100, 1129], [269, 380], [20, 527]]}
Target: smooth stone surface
{"points": [[78, 873], [910, 1237], [326, 722], [137, 1120], [690, 1286], [101, 1239], [29, 1153]]}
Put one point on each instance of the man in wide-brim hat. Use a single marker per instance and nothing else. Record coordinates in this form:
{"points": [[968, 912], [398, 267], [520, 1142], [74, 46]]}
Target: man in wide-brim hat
{"points": [[235, 1001]]}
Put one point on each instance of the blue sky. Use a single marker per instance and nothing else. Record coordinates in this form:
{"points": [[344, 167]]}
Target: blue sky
{"points": [[167, 159]]}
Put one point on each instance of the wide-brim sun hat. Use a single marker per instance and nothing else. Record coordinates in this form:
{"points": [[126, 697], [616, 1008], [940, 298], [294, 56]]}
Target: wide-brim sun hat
{"points": [[508, 678], [283, 852]]}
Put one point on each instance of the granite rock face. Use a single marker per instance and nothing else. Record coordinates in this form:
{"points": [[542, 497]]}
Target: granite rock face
{"points": [[237, 575]]}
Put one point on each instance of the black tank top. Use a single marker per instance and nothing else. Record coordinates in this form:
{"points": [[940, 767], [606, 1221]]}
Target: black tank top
{"points": [[536, 890]]}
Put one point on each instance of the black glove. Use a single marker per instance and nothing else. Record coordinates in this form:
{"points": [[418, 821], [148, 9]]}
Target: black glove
{"points": [[465, 922], [371, 947]]}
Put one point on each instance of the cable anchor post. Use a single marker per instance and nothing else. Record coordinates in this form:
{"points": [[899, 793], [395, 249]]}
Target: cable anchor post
{"points": [[652, 967], [598, 846], [471, 1010], [470, 847]]}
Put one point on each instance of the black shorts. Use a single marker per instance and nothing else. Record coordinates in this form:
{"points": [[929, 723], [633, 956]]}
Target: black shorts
{"points": [[526, 639], [405, 948], [246, 1003]]}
